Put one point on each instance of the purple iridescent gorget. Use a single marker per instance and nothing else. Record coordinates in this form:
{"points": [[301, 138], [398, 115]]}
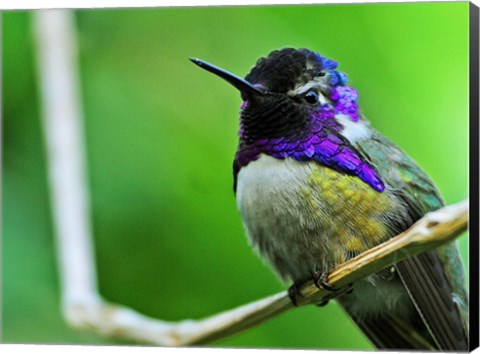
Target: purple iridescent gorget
{"points": [[322, 142]]}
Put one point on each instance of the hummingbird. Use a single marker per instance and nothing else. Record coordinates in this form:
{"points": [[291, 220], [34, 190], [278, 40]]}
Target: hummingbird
{"points": [[317, 185]]}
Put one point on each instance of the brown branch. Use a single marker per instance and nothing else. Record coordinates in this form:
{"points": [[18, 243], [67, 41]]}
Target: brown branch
{"points": [[435, 229]]}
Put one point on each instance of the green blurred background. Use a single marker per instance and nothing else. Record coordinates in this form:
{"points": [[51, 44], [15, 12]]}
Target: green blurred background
{"points": [[161, 135]]}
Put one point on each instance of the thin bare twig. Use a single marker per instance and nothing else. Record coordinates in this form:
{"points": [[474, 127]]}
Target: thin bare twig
{"points": [[82, 305]]}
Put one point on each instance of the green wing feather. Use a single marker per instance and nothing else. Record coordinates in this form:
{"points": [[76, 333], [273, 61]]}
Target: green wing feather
{"points": [[434, 280]]}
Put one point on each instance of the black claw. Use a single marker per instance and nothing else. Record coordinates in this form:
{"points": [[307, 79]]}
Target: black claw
{"points": [[320, 280], [294, 293]]}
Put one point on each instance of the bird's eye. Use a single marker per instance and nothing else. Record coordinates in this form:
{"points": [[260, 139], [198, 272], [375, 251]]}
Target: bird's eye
{"points": [[311, 97], [322, 73]]}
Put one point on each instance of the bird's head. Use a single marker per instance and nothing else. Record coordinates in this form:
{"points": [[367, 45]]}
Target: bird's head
{"points": [[296, 104], [288, 93]]}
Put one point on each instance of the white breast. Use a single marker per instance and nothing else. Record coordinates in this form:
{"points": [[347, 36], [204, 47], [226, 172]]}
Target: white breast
{"points": [[267, 178], [268, 187], [273, 208]]}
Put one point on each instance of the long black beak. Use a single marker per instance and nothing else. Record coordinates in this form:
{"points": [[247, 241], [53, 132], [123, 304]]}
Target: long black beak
{"points": [[244, 86]]}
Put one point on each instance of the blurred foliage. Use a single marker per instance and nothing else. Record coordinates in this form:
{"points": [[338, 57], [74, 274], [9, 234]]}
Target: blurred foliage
{"points": [[161, 135]]}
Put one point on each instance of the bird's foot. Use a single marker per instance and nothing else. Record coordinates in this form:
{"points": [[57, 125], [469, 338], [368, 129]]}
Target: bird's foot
{"points": [[294, 292], [320, 280]]}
